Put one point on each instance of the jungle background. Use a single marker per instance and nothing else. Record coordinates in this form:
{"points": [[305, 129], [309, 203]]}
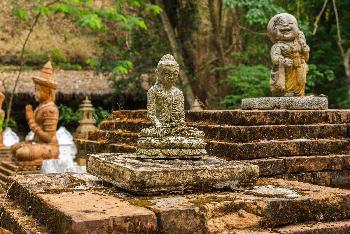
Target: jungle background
{"points": [[221, 45]]}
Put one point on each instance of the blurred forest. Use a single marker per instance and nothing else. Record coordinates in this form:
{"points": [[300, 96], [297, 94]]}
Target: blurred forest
{"points": [[221, 45]]}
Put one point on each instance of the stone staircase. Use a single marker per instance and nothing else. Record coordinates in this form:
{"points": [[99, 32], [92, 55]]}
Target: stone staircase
{"points": [[306, 145], [7, 169]]}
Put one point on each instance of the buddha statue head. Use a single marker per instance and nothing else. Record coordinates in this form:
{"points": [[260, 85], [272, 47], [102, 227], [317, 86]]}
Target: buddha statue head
{"points": [[283, 27], [167, 71], [45, 87]]}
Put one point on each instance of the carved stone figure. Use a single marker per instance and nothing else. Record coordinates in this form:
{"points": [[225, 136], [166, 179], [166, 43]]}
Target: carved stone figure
{"points": [[289, 55], [43, 122], [2, 115], [168, 135]]}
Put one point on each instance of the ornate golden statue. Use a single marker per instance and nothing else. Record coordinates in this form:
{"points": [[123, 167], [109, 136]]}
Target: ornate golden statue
{"points": [[43, 122], [169, 136], [289, 55]]}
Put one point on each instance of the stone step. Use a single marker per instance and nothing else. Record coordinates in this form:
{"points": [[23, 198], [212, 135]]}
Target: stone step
{"points": [[116, 136], [86, 147], [7, 172], [132, 125], [77, 206], [9, 165], [4, 178], [17, 221], [129, 114], [278, 148], [3, 186], [272, 132], [337, 179], [301, 164], [126, 132], [271, 204], [253, 117], [339, 227], [325, 170]]}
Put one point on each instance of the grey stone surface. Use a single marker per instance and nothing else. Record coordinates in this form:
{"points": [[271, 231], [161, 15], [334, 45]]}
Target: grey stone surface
{"points": [[144, 175], [288, 103]]}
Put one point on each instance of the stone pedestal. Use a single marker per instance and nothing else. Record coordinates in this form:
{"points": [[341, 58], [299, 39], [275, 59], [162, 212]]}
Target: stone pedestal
{"points": [[288, 103], [143, 175]]}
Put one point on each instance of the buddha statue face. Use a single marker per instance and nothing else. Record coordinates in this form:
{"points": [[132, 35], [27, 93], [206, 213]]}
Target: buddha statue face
{"points": [[167, 75], [283, 27]]}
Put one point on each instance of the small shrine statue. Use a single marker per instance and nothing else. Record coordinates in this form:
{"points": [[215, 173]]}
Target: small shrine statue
{"points": [[43, 122], [168, 135], [2, 115], [289, 55]]}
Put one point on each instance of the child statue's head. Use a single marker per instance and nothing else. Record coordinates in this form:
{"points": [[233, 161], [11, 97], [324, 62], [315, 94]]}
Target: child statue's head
{"points": [[167, 70], [283, 27]]}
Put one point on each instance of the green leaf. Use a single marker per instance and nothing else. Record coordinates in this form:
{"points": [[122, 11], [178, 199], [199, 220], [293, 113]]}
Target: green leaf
{"points": [[153, 8], [20, 13], [43, 10], [60, 8], [92, 21]]}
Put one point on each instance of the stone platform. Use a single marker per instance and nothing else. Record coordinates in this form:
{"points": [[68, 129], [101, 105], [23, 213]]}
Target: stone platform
{"points": [[287, 103], [71, 203], [307, 145], [143, 175]]}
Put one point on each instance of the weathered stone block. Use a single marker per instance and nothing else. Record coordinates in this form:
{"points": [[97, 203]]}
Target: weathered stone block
{"points": [[289, 103], [146, 176], [69, 203]]}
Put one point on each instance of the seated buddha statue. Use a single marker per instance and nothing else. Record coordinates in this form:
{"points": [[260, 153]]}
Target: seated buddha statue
{"points": [[43, 122], [168, 135]]}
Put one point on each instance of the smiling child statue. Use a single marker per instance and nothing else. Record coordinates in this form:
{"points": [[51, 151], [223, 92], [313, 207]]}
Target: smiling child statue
{"points": [[289, 55], [43, 122], [168, 135]]}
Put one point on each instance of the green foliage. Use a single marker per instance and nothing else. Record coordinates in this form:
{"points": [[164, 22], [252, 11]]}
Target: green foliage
{"points": [[20, 13], [11, 124], [257, 12], [92, 21], [101, 114], [68, 117], [316, 77], [245, 82]]}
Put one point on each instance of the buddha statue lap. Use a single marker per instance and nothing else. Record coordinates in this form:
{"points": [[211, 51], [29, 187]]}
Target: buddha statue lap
{"points": [[43, 122], [289, 55], [168, 136]]}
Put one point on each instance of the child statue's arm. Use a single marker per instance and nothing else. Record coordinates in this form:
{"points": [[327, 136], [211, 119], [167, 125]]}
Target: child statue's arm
{"points": [[277, 57]]}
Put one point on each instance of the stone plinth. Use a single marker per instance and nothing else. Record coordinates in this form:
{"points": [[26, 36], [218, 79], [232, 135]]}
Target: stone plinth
{"points": [[288, 103], [180, 147], [143, 175], [69, 203]]}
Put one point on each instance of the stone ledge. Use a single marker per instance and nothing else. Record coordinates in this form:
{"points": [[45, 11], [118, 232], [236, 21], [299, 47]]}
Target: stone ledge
{"points": [[74, 203], [288, 103], [151, 176], [272, 203]]}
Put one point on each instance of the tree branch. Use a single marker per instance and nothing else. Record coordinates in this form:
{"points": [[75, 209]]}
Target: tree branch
{"points": [[318, 17], [251, 31], [21, 59], [338, 29]]}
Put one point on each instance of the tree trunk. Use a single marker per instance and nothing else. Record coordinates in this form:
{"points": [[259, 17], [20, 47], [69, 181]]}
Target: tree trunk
{"points": [[170, 32]]}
